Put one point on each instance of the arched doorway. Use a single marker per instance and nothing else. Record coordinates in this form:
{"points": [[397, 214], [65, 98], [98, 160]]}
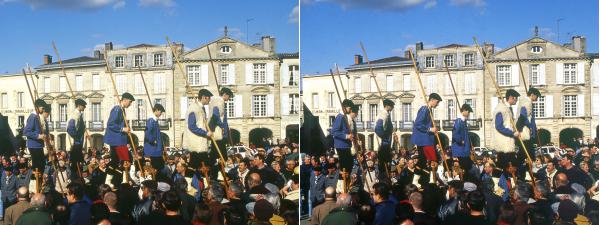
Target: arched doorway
{"points": [[405, 141], [475, 141], [569, 137], [260, 136], [97, 141], [235, 136], [292, 133], [544, 136], [62, 142], [165, 139], [444, 139]]}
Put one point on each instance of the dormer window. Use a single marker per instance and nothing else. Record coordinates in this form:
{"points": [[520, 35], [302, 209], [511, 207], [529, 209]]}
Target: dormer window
{"points": [[536, 49], [225, 49]]}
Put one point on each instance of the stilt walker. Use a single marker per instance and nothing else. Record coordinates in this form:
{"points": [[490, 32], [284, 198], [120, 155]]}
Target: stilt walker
{"points": [[153, 144], [462, 147]]}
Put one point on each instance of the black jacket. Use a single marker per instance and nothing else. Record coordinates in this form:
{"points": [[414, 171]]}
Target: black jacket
{"points": [[142, 209]]}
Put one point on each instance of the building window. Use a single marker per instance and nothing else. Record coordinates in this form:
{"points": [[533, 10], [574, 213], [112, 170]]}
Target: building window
{"points": [[469, 59], [96, 112], [449, 60], [331, 120], [160, 101], [224, 73], [47, 84], [389, 83], [406, 112], [330, 99], [294, 103], [451, 109], [539, 107], [406, 82], [230, 108], [357, 85], [160, 84], [21, 122], [570, 105], [194, 75], [4, 101], [158, 59], [570, 73], [78, 83], [139, 86], [119, 61], [260, 73], [141, 109], [373, 85], [534, 74], [536, 49], [429, 62], [62, 112], [315, 100], [259, 105], [373, 112], [359, 115], [138, 60], [121, 81], [20, 96], [293, 70], [471, 102], [225, 49], [62, 84], [503, 75], [96, 81]]}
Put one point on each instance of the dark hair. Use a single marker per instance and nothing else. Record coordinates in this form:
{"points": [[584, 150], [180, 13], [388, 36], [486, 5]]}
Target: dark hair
{"points": [[507, 213], [476, 201], [202, 213], [382, 190], [75, 189], [150, 184], [404, 211], [103, 189], [99, 211], [457, 185], [171, 200], [537, 215]]}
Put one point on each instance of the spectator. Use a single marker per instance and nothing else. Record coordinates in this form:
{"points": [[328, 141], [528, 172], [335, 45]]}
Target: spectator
{"points": [[15, 211], [115, 217], [79, 209], [144, 208], [384, 208], [9, 187], [171, 204], [343, 213], [263, 211], [37, 213], [420, 217], [317, 187], [214, 198], [202, 214], [322, 210]]}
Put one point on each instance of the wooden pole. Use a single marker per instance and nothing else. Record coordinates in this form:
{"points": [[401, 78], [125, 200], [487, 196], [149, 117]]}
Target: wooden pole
{"points": [[152, 109], [218, 89], [337, 70], [459, 111], [37, 113], [176, 56], [526, 90]]}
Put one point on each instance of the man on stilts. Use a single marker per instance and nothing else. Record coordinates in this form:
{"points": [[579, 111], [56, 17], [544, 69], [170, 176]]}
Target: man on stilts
{"points": [[527, 127], [218, 124], [342, 137], [503, 135], [384, 130], [196, 137], [76, 129], [423, 135], [153, 146], [461, 144], [35, 137], [116, 132]]}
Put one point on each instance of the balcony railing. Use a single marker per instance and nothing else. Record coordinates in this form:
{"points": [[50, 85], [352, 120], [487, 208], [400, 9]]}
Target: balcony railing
{"points": [[405, 125], [370, 125], [50, 126], [448, 124], [61, 125], [360, 126], [95, 125], [472, 124], [163, 124]]}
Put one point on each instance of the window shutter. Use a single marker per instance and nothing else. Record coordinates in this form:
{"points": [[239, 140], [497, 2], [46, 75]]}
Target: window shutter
{"points": [[204, 75], [357, 85], [595, 106], [514, 75], [580, 73], [285, 104], [249, 77], [494, 102], [542, 74], [580, 105], [231, 74], [270, 73], [284, 74], [549, 106], [270, 105], [560, 77], [184, 107], [238, 105]]}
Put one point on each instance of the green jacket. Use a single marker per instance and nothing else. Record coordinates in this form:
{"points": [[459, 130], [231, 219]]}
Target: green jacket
{"points": [[35, 215], [341, 215]]}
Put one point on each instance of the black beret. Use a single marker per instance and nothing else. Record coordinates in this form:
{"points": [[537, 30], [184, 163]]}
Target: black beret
{"points": [[466, 107], [388, 102], [317, 168], [354, 109], [511, 92], [158, 107], [435, 96], [40, 103], [126, 95], [80, 102], [347, 103], [48, 108], [534, 91], [226, 91], [204, 92]]}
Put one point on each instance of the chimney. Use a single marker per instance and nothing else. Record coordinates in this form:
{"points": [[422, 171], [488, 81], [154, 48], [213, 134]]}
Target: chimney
{"points": [[98, 54], [47, 59], [419, 46], [358, 59], [108, 46], [578, 43], [488, 49], [268, 43], [179, 48]]}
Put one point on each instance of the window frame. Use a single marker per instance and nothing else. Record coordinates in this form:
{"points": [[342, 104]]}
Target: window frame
{"points": [[450, 62], [430, 61], [472, 59], [156, 59], [259, 73], [119, 61], [259, 105], [136, 62], [570, 73], [504, 76], [570, 105]]}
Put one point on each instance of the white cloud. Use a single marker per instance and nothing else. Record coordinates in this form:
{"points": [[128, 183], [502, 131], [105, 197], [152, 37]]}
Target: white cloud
{"points": [[430, 4], [477, 3], [387, 5], [294, 15], [70, 4], [119, 5], [159, 3]]}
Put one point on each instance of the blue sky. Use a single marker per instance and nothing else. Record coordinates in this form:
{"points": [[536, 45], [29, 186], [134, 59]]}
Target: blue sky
{"points": [[332, 29], [78, 26]]}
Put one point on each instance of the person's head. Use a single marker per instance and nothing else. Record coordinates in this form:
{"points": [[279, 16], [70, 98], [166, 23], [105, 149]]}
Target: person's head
{"points": [[566, 161], [263, 210], [410, 163], [126, 99], [80, 104], [276, 166], [74, 192], [254, 180], [290, 164], [202, 213], [534, 94], [454, 187], [416, 200], [158, 110], [259, 160], [110, 199], [234, 190], [181, 167], [543, 189], [243, 165], [388, 105], [354, 111], [381, 192], [550, 166], [511, 96], [23, 193], [584, 166], [344, 199], [226, 93], [330, 193], [317, 170], [99, 212], [567, 210], [46, 111], [38, 200], [561, 180], [22, 168], [148, 187], [522, 192], [39, 105], [466, 110], [507, 213], [171, 201], [204, 96], [347, 105], [216, 193], [434, 100]]}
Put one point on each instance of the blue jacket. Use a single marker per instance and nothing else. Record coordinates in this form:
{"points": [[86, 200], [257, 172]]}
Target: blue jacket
{"points": [[461, 144], [153, 145], [339, 130], [79, 213], [529, 122], [32, 130], [500, 126], [503, 183], [193, 127], [77, 133], [384, 132], [421, 135], [114, 135], [385, 213], [224, 125]]}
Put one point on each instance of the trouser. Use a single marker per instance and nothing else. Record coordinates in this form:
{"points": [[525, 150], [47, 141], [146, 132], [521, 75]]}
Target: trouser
{"points": [[118, 154], [426, 153], [522, 157], [37, 159], [197, 158], [465, 163], [383, 157], [346, 160], [214, 155], [504, 158], [76, 160], [157, 162]]}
